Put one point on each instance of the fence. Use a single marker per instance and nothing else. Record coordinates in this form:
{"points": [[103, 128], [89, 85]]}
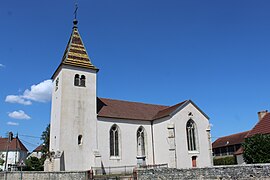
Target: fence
{"points": [[124, 170]]}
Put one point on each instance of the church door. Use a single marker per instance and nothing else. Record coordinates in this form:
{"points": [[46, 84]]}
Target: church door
{"points": [[194, 162]]}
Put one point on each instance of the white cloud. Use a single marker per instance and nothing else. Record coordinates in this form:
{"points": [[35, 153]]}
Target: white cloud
{"points": [[18, 115], [12, 123], [17, 99], [2, 65], [41, 92]]}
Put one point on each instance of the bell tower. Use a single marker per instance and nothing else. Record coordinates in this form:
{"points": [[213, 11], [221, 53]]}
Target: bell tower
{"points": [[73, 112]]}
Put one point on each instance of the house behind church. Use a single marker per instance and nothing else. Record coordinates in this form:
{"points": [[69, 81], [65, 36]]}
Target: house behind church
{"points": [[230, 146], [12, 152], [88, 131]]}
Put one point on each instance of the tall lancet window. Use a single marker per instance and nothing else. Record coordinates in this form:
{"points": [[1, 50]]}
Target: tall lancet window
{"points": [[141, 142], [77, 80], [114, 140], [191, 135]]}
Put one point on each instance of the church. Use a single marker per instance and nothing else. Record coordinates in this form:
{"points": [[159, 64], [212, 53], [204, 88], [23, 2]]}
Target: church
{"points": [[89, 131]]}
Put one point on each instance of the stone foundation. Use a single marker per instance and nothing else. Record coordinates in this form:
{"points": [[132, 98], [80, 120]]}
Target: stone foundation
{"points": [[39, 175], [257, 171]]}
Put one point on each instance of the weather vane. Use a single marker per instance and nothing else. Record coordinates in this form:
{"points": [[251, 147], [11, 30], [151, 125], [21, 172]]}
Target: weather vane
{"points": [[75, 12]]}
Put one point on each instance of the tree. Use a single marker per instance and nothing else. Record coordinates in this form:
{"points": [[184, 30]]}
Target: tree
{"points": [[230, 160], [33, 164], [45, 137], [2, 161], [257, 149]]}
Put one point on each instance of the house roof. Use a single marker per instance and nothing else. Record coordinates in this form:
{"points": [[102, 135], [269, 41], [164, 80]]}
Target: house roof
{"points": [[111, 108], [230, 140], [239, 151], [262, 127], [38, 149], [14, 145], [75, 53]]}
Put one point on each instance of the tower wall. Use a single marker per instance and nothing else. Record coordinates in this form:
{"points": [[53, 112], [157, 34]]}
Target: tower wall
{"points": [[74, 119]]}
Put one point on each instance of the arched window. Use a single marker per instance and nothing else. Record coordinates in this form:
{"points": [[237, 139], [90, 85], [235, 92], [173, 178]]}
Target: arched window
{"points": [[82, 81], [114, 140], [141, 141], [191, 135], [77, 80]]}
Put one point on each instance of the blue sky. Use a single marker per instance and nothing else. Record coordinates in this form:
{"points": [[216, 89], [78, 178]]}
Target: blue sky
{"points": [[213, 52]]}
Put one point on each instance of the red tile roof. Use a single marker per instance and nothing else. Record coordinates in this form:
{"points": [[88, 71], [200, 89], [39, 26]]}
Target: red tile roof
{"points": [[38, 149], [239, 151], [168, 111], [110, 108], [14, 145], [262, 127], [230, 140]]}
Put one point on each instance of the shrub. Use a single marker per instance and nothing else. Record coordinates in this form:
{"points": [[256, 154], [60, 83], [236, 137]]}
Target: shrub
{"points": [[230, 160]]}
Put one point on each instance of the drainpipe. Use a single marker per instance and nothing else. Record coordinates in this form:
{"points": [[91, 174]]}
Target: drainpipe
{"points": [[153, 148]]}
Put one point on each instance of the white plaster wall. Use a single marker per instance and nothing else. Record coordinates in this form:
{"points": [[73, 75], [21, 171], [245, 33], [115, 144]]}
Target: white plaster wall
{"points": [[74, 114], [182, 154], [13, 157], [35, 154], [240, 159], [161, 145], [56, 113], [202, 124], [128, 141]]}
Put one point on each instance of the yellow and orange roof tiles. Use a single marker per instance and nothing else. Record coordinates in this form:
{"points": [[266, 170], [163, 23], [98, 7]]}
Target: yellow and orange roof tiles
{"points": [[75, 53]]}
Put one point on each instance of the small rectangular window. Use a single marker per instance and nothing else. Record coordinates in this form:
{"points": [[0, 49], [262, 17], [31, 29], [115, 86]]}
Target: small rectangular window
{"points": [[79, 139]]}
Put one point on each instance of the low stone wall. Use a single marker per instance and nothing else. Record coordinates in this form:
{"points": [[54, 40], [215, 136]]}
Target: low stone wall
{"points": [[257, 171], [39, 175]]}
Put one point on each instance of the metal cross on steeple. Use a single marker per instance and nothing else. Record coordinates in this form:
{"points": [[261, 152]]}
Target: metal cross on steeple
{"points": [[75, 12]]}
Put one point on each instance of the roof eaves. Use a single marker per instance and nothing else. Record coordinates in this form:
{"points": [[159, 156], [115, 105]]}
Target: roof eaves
{"points": [[205, 115], [157, 116], [124, 118]]}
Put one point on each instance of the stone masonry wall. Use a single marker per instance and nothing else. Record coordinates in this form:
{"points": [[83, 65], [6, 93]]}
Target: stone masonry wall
{"points": [[32, 175], [257, 171]]}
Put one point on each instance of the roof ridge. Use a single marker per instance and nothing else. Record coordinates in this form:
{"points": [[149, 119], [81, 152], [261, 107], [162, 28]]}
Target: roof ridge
{"points": [[251, 133], [127, 101], [170, 109], [235, 134]]}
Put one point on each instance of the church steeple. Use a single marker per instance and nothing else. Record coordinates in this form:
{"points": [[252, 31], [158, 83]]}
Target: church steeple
{"points": [[75, 53], [74, 108]]}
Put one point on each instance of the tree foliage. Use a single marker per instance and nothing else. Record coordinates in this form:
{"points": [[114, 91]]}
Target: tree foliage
{"points": [[45, 137], [33, 164], [257, 149], [230, 160], [2, 161]]}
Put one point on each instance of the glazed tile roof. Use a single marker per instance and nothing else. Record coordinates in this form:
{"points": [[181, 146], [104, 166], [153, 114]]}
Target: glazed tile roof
{"points": [[110, 108], [75, 53], [230, 140], [262, 127], [14, 145]]}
